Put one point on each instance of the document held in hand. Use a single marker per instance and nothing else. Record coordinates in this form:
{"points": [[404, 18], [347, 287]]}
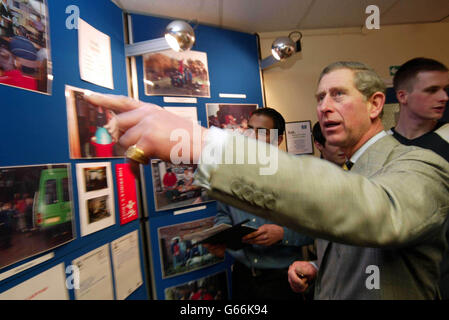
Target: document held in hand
{"points": [[223, 233]]}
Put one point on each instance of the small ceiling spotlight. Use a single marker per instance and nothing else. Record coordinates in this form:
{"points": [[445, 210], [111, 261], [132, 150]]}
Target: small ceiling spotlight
{"points": [[179, 35], [284, 47]]}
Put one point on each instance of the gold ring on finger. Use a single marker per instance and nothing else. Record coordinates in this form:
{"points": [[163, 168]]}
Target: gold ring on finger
{"points": [[136, 154]]}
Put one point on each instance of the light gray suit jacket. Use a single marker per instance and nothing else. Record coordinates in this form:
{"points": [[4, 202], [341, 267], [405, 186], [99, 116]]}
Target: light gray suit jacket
{"points": [[389, 212]]}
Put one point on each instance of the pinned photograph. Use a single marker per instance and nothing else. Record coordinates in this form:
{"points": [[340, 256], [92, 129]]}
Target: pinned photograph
{"points": [[97, 209], [93, 131], [173, 185], [25, 60], [229, 116], [213, 287], [96, 196], [178, 255], [95, 178], [176, 74], [36, 212]]}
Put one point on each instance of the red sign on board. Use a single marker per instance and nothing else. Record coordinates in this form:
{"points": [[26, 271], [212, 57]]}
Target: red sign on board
{"points": [[127, 198]]}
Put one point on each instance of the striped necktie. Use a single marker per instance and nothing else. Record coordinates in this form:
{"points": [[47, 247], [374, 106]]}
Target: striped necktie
{"points": [[348, 165]]}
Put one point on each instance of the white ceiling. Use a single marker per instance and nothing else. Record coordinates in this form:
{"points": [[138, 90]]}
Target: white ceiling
{"points": [[279, 15]]}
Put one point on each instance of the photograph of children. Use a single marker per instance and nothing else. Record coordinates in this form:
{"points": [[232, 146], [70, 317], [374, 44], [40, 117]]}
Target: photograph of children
{"points": [[35, 210], [95, 178], [92, 130], [25, 60], [180, 256], [176, 74], [229, 116], [173, 185], [97, 209], [96, 196], [213, 287]]}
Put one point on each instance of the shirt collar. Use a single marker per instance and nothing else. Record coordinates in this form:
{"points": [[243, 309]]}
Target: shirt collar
{"points": [[367, 144]]}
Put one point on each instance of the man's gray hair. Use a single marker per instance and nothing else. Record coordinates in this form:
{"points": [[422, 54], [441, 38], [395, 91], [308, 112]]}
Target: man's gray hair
{"points": [[366, 80]]}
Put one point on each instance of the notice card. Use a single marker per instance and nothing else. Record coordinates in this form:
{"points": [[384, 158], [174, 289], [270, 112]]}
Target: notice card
{"points": [[48, 285], [94, 55], [126, 259], [299, 137], [95, 275]]}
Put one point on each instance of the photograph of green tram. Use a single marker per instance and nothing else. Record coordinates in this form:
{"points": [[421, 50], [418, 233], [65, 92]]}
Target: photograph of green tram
{"points": [[35, 210]]}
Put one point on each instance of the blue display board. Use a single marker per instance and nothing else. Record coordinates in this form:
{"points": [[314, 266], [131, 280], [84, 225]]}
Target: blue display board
{"points": [[232, 59], [34, 129]]}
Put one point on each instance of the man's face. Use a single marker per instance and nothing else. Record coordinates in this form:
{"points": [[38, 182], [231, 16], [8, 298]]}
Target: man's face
{"points": [[331, 153], [262, 126], [343, 111], [428, 97]]}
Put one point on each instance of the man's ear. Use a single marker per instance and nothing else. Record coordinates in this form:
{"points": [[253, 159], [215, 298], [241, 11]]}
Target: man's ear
{"points": [[376, 102], [402, 96], [280, 139], [318, 145]]}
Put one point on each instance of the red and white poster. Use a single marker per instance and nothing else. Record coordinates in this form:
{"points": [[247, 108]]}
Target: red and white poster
{"points": [[127, 198]]}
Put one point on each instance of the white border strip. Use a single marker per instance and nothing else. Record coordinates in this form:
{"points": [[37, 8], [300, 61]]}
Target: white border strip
{"points": [[189, 210], [232, 95], [26, 266], [180, 100]]}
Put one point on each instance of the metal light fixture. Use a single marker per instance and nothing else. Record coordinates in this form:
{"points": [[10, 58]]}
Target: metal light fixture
{"points": [[284, 47], [179, 35]]}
